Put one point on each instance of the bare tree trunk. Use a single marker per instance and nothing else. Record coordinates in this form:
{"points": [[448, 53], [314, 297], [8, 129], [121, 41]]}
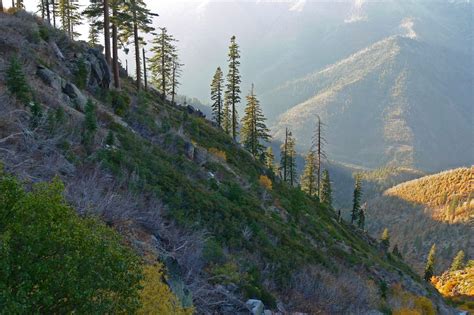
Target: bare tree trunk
{"points": [[145, 80], [115, 66], [163, 69], [1, 5], [43, 14], [137, 50], [107, 32], [54, 12], [173, 84], [47, 12]]}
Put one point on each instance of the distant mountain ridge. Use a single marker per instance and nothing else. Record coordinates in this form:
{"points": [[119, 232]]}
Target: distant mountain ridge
{"points": [[399, 102], [437, 209]]}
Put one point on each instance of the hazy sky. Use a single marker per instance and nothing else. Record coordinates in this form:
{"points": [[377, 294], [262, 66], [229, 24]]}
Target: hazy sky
{"points": [[185, 18]]}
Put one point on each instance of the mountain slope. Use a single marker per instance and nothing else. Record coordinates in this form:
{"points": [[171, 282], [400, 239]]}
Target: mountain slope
{"points": [[184, 193], [433, 209], [397, 102]]}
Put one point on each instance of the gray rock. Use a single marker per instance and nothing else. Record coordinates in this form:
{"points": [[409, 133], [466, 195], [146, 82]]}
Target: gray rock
{"points": [[373, 312], [99, 71], [255, 306], [51, 78], [200, 156], [267, 312], [57, 51], [189, 150], [75, 95]]}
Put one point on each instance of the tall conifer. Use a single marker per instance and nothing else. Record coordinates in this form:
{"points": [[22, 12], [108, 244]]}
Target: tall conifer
{"points": [[254, 131], [430, 264], [308, 179], [216, 96], [232, 93], [326, 189], [356, 199], [161, 63]]}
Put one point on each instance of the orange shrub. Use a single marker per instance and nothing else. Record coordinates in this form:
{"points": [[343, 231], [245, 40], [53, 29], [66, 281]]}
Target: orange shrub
{"points": [[218, 154], [265, 182]]}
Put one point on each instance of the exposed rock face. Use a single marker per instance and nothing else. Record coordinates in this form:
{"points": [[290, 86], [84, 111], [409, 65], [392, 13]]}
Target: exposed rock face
{"points": [[76, 96], [99, 74], [189, 150], [51, 78], [255, 306]]}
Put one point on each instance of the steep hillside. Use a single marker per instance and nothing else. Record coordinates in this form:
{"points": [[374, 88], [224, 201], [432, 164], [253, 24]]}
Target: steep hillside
{"points": [[458, 286], [182, 192], [433, 209], [398, 102]]}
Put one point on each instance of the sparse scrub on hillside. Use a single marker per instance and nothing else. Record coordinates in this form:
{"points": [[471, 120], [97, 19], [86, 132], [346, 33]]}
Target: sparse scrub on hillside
{"points": [[452, 191]]}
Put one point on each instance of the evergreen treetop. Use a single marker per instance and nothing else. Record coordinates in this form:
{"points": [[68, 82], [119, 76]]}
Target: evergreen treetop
{"points": [[232, 92], [16, 82], [254, 131], [308, 179], [326, 189], [357, 196], [385, 239], [430, 264], [458, 261], [217, 86]]}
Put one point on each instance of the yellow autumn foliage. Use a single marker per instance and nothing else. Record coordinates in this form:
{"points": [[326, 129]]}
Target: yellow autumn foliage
{"points": [[265, 182], [405, 311], [218, 153], [156, 297], [411, 304]]}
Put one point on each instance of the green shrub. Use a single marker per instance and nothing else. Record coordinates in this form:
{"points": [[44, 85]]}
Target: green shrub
{"points": [[213, 253], [90, 125], [16, 82], [54, 262], [80, 75], [120, 102], [44, 32]]}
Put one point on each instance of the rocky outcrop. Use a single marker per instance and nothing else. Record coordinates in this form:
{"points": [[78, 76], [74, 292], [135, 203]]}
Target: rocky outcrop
{"points": [[255, 306], [99, 74], [78, 99], [51, 78]]}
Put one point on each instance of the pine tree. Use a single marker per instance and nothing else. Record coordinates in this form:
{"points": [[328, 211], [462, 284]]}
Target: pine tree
{"points": [[161, 63], [16, 82], [254, 131], [308, 179], [270, 160], [1, 5], [175, 75], [232, 92], [227, 118], [361, 219], [385, 239], [288, 159], [93, 38], [36, 114], [69, 17], [430, 264], [458, 261], [326, 189], [396, 252], [318, 146], [216, 95], [136, 18], [356, 198], [90, 125]]}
